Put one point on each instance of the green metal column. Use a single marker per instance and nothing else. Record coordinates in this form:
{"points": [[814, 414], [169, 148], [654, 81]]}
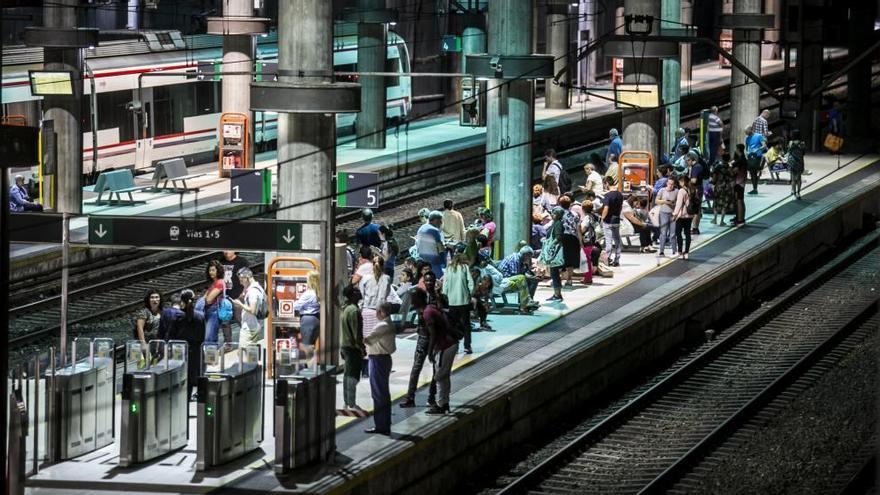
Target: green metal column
{"points": [[509, 125], [671, 86], [370, 123]]}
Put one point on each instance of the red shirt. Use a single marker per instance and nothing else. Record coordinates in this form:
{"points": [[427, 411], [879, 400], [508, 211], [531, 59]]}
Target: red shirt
{"points": [[219, 285], [434, 317]]}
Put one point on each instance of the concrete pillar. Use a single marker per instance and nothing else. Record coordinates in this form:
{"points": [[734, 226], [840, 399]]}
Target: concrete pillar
{"points": [[745, 96], [772, 50], [587, 23], [858, 83], [65, 112], [642, 128], [306, 142], [370, 122], [670, 12], [510, 121], [238, 56], [558, 43], [687, 17], [473, 38]]}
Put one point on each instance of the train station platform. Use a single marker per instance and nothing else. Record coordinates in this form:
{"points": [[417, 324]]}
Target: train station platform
{"points": [[423, 140], [547, 363]]}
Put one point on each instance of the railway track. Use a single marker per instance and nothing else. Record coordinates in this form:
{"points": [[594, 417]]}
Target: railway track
{"points": [[659, 441]]}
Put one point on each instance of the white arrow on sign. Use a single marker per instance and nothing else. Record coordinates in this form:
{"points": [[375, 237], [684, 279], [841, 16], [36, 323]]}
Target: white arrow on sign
{"points": [[100, 232], [289, 237]]}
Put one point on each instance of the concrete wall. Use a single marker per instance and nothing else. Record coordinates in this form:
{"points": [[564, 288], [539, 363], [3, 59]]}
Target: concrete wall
{"points": [[511, 410]]}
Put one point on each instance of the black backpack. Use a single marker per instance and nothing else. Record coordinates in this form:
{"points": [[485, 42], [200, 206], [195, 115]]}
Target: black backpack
{"points": [[693, 206], [564, 178]]}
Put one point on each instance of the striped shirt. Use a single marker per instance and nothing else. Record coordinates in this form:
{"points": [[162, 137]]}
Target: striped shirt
{"points": [[759, 126], [715, 123]]}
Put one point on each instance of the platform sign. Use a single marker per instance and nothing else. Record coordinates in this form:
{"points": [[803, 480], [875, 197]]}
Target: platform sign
{"points": [[35, 227], [450, 44], [214, 234], [357, 190], [250, 187]]}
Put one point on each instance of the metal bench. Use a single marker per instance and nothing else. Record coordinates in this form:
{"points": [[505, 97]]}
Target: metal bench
{"points": [[174, 171], [117, 182]]}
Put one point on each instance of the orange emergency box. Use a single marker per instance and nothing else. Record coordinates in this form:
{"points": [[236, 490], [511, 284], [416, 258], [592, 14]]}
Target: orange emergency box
{"points": [[284, 285], [726, 43], [636, 172], [234, 142]]}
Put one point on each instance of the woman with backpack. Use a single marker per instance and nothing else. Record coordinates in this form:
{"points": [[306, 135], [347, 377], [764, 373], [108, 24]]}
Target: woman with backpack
{"points": [[191, 328], [588, 226], [214, 295], [795, 162], [683, 215]]}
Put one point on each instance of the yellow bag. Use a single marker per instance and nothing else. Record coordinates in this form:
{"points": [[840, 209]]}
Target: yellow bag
{"points": [[833, 143]]}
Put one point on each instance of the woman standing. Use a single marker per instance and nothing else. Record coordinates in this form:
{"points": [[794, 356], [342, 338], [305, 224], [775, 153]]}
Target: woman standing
{"points": [[376, 289], [146, 321], [191, 328], [588, 228], [722, 185], [683, 214], [740, 168], [216, 287], [571, 241], [308, 305], [551, 252], [795, 162], [458, 287], [666, 202], [390, 249]]}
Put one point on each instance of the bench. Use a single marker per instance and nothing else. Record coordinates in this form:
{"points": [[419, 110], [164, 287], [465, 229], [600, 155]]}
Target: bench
{"points": [[173, 170], [117, 182]]}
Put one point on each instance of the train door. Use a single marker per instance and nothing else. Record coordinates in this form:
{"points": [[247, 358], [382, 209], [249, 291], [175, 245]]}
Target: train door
{"points": [[144, 124]]}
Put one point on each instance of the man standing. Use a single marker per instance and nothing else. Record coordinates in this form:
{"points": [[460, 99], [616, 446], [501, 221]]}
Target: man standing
{"points": [[716, 128], [614, 149], [452, 225], [19, 200], [755, 147], [442, 347], [232, 264], [613, 205], [429, 243], [380, 347], [351, 345], [760, 125], [421, 348], [368, 233], [252, 298]]}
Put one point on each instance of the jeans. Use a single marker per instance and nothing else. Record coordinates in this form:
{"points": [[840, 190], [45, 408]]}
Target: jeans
{"points": [[461, 316], [442, 373], [555, 277], [418, 362], [683, 225], [714, 145], [212, 322], [611, 231], [380, 373], [352, 374], [665, 228]]}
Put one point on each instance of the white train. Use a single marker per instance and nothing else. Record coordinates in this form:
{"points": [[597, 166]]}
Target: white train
{"points": [[182, 112]]}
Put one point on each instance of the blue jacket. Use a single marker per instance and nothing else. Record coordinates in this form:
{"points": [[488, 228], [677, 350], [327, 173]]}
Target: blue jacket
{"points": [[615, 148], [18, 198]]}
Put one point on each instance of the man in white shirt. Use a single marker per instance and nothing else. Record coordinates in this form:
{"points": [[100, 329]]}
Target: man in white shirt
{"points": [[250, 301], [452, 227], [380, 346], [594, 181]]}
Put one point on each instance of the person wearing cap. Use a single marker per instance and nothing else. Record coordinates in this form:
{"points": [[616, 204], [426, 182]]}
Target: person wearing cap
{"points": [[517, 283], [520, 263], [368, 233], [614, 149], [429, 243], [19, 200], [248, 304], [458, 287], [453, 223]]}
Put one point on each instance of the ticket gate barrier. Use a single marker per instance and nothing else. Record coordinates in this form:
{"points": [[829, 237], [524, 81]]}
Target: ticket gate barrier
{"points": [[82, 402], [154, 400], [16, 449], [304, 415], [230, 407]]}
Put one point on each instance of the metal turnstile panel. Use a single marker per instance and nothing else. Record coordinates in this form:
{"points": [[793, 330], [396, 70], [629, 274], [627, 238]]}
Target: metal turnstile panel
{"points": [[229, 404], [253, 423], [178, 407], [309, 427], [104, 391]]}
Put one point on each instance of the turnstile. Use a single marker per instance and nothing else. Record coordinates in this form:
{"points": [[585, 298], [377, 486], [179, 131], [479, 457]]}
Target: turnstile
{"points": [[81, 398], [154, 400], [304, 416], [230, 408]]}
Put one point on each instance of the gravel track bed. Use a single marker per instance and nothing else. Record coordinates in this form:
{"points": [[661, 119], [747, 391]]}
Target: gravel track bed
{"points": [[810, 443]]}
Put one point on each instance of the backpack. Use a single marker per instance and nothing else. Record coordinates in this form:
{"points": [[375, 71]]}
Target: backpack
{"points": [[693, 207], [564, 178], [263, 306], [590, 232], [224, 312]]}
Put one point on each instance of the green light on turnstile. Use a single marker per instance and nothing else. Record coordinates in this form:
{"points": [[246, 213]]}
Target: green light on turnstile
{"points": [[133, 407], [209, 410]]}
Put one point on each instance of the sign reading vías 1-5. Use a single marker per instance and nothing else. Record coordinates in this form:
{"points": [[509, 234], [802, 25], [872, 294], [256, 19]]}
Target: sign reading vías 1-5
{"points": [[218, 234]]}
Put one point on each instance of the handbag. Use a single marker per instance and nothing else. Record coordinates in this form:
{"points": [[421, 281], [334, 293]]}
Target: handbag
{"points": [[654, 215], [551, 253], [833, 142]]}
